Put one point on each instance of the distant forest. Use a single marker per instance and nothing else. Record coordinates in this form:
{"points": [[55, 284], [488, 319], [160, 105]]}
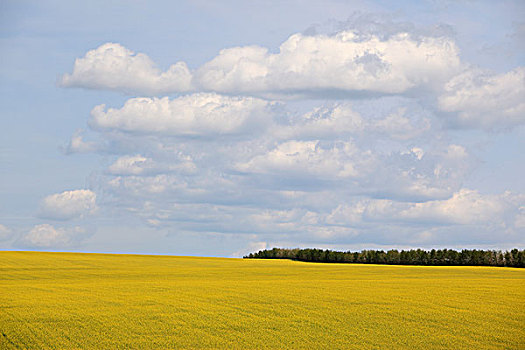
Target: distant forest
{"points": [[439, 257]]}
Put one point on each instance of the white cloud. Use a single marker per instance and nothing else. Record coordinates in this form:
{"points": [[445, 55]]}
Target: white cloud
{"points": [[146, 185], [327, 122], [77, 144], [69, 205], [191, 115], [345, 214], [130, 165], [5, 233], [330, 216], [398, 126], [342, 172], [374, 170], [397, 153], [344, 61], [348, 62], [306, 157], [305, 223], [47, 236], [465, 207], [113, 67], [482, 100], [139, 165], [377, 164], [410, 174], [331, 153], [339, 120]]}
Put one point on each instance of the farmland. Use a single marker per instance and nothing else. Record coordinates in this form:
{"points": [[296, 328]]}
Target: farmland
{"points": [[95, 301]]}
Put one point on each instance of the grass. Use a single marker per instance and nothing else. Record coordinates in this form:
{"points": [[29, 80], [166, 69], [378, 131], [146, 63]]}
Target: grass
{"points": [[102, 301]]}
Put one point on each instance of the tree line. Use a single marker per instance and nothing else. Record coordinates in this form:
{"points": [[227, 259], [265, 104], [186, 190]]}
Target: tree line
{"points": [[435, 257]]}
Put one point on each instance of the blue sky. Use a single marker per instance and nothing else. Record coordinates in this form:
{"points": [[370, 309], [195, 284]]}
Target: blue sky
{"points": [[216, 129]]}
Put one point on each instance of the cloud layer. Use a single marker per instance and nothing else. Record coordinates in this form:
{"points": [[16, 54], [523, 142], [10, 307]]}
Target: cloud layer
{"points": [[332, 139], [348, 64], [328, 174]]}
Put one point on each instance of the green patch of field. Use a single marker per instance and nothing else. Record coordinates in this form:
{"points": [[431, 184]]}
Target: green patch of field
{"points": [[96, 301]]}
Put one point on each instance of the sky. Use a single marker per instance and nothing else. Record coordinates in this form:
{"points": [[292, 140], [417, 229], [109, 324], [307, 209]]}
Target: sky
{"points": [[221, 128]]}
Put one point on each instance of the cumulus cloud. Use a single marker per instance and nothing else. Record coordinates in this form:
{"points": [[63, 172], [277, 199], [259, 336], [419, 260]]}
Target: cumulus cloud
{"points": [[396, 154], [114, 67], [69, 205], [139, 165], [48, 236], [130, 165], [366, 59], [146, 185], [331, 174], [340, 119], [345, 61], [77, 144], [465, 207], [315, 160], [191, 115], [326, 122], [480, 99], [310, 225], [409, 174], [466, 215], [399, 126], [300, 157], [374, 164]]}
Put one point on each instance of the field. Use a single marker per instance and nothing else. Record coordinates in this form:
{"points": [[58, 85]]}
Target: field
{"points": [[99, 301]]}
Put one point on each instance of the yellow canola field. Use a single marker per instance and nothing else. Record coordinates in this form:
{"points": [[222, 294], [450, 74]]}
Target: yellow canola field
{"points": [[102, 301]]}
